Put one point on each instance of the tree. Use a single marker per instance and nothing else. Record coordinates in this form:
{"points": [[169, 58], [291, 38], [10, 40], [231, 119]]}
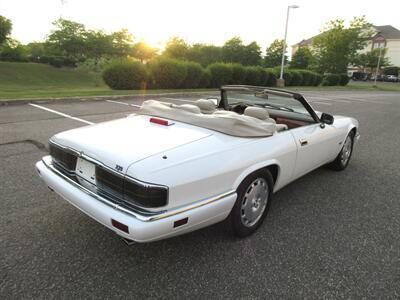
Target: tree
{"points": [[234, 51], [273, 56], [204, 54], [5, 29], [143, 52], [98, 44], [14, 51], [176, 48], [392, 70], [122, 42], [302, 58], [370, 59], [252, 55], [36, 50], [337, 46], [68, 40]]}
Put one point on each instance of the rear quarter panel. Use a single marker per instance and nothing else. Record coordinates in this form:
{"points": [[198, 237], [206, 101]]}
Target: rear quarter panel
{"points": [[215, 165]]}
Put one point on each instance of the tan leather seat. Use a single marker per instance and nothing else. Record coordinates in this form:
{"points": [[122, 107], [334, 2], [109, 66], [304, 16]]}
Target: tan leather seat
{"points": [[281, 127], [262, 114], [190, 108], [259, 113], [206, 106]]}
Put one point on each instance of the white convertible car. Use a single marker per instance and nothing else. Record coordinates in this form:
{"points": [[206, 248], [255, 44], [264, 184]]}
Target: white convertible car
{"points": [[170, 169]]}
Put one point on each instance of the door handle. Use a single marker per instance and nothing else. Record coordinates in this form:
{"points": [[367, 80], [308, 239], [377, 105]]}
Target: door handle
{"points": [[303, 142]]}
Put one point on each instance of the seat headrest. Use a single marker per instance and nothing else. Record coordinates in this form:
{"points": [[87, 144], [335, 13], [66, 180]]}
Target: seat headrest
{"points": [[256, 112], [190, 108], [206, 106]]}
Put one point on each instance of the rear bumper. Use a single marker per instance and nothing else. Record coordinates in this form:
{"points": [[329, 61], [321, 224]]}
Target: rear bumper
{"points": [[141, 227]]}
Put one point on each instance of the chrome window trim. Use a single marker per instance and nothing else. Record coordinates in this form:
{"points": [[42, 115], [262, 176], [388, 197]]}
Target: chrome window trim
{"points": [[144, 216]]}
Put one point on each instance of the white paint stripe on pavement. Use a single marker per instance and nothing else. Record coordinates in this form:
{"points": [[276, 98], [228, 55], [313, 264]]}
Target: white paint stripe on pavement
{"points": [[124, 103], [313, 98], [323, 103], [61, 114]]}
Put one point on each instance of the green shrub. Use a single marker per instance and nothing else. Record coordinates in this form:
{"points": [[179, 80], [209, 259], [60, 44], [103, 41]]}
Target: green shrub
{"points": [[264, 76], [125, 75], [194, 72], [220, 74], [287, 75], [238, 74], [18, 53], [307, 77], [253, 75], [344, 79], [297, 78], [166, 73], [272, 76], [330, 79], [205, 79], [317, 79]]}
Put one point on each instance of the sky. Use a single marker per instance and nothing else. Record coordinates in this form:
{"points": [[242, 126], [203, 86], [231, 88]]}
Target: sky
{"points": [[202, 21]]}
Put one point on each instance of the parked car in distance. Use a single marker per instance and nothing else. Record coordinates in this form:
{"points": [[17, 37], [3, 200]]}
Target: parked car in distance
{"points": [[170, 169], [360, 76], [391, 78]]}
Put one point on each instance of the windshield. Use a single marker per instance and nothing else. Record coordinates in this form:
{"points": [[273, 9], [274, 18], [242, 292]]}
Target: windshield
{"points": [[275, 101]]}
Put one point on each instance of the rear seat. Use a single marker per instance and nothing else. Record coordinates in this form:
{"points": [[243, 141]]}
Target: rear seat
{"points": [[262, 114], [206, 106]]}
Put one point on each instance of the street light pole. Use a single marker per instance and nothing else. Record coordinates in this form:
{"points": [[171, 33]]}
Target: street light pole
{"points": [[281, 82], [377, 67]]}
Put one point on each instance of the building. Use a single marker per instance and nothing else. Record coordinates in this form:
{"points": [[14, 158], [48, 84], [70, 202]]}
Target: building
{"points": [[385, 36]]}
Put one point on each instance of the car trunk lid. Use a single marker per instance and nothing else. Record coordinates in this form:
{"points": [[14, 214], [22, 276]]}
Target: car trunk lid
{"points": [[119, 143]]}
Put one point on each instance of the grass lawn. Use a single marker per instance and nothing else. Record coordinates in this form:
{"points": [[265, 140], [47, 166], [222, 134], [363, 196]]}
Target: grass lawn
{"points": [[40, 81]]}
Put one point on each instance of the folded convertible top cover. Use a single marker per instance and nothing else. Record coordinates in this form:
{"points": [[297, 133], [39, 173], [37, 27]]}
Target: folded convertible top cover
{"points": [[222, 121]]}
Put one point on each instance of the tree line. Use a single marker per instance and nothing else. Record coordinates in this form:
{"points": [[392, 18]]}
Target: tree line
{"points": [[71, 44]]}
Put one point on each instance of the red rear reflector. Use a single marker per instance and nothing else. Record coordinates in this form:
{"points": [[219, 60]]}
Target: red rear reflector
{"points": [[180, 222], [159, 121], [120, 226]]}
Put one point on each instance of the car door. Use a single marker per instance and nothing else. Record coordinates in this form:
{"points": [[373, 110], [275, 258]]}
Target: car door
{"points": [[316, 145]]}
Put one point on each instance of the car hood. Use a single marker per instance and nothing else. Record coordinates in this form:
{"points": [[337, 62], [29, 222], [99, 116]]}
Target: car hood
{"points": [[129, 140]]}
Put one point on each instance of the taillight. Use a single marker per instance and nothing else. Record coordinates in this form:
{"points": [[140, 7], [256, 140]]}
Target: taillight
{"points": [[129, 191], [145, 195]]}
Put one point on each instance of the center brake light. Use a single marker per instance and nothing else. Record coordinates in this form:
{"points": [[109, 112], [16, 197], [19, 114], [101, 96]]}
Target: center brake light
{"points": [[160, 121]]}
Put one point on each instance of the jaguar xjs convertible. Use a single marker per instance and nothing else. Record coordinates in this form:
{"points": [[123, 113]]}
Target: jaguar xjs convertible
{"points": [[169, 169]]}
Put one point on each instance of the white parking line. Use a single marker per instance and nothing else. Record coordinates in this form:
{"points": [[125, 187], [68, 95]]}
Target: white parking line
{"points": [[312, 98], [124, 103], [323, 103], [61, 114]]}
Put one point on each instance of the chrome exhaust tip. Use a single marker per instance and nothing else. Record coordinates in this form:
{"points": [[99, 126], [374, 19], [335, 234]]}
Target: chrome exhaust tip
{"points": [[128, 241]]}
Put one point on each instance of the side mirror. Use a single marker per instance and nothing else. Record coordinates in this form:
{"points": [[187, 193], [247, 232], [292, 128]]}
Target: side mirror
{"points": [[327, 119]]}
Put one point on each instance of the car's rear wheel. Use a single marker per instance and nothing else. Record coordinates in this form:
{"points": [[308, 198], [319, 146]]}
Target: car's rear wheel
{"points": [[342, 160], [253, 202]]}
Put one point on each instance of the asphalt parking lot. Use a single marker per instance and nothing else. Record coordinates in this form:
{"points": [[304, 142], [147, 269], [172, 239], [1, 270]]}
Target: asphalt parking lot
{"points": [[328, 235]]}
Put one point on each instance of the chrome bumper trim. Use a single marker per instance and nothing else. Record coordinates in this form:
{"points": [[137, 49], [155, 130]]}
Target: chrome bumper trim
{"points": [[147, 216]]}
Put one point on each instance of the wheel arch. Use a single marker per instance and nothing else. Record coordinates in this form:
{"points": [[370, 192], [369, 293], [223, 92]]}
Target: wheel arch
{"points": [[273, 166]]}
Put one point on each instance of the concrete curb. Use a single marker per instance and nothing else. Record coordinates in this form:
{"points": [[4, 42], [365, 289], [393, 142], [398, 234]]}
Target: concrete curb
{"points": [[7, 102]]}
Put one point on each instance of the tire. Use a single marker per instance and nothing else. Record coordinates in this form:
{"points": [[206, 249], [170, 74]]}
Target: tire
{"points": [[343, 158], [248, 214]]}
